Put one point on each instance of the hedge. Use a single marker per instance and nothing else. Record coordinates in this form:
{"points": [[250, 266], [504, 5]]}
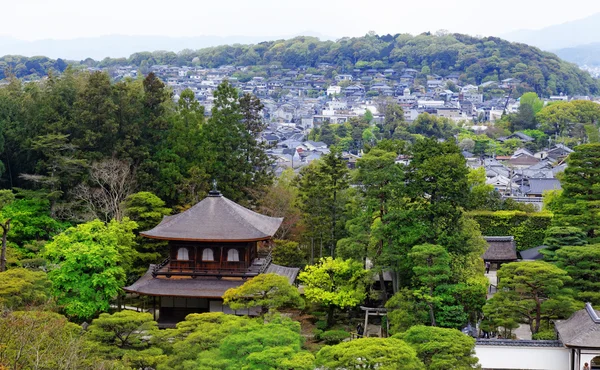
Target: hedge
{"points": [[529, 229]]}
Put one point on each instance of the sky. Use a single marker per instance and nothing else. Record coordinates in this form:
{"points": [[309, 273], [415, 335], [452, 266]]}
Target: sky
{"points": [[69, 19]]}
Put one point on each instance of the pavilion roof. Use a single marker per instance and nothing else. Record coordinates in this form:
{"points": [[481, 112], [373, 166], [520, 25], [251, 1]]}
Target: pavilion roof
{"points": [[582, 329], [500, 249], [215, 219]]}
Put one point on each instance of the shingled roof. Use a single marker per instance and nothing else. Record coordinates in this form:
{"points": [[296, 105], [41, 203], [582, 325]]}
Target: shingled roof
{"points": [[582, 329], [500, 249], [199, 287], [216, 219]]}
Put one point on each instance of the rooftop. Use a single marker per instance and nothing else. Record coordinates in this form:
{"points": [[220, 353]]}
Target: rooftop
{"points": [[582, 329], [500, 249], [215, 219]]}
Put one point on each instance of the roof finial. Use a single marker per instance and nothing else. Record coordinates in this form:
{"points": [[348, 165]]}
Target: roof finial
{"points": [[214, 192]]}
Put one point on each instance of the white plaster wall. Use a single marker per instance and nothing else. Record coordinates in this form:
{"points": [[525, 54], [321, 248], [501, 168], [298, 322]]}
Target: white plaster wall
{"points": [[530, 358]]}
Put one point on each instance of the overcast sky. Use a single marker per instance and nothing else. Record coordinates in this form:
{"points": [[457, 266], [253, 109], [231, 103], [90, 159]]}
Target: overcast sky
{"points": [[67, 19]]}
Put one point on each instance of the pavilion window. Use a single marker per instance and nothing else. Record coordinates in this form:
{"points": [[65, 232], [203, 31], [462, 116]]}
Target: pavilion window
{"points": [[183, 254], [208, 254], [233, 255]]}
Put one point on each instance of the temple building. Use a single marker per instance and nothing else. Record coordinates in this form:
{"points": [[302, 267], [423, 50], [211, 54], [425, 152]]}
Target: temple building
{"points": [[213, 246]]}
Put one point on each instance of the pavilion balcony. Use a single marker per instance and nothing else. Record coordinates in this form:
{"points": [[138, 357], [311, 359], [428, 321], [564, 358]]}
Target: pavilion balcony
{"points": [[169, 268]]}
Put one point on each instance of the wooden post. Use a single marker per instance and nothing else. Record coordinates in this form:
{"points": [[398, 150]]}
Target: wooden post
{"points": [[154, 306], [221, 259], [366, 323]]}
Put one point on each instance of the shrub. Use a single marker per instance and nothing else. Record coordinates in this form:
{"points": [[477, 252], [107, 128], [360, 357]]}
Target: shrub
{"points": [[334, 336], [321, 324], [529, 229], [544, 335]]}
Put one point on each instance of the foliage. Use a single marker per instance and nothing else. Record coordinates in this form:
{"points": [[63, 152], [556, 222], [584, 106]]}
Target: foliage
{"points": [[41, 340], [579, 201], [482, 196], [369, 353], [322, 188], [545, 335], [21, 288], [124, 336], [530, 292], [582, 263], [288, 253], [62, 131], [440, 348], [529, 229], [334, 336], [477, 59], [431, 266], [557, 237], [267, 291], [232, 154], [30, 220], [91, 261], [405, 311], [216, 340], [335, 283], [280, 200], [147, 210]]}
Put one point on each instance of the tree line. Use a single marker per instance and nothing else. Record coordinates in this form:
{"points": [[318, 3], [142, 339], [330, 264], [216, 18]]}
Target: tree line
{"points": [[476, 60]]}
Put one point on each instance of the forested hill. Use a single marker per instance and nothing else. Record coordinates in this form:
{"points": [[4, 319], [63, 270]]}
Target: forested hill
{"points": [[476, 60]]}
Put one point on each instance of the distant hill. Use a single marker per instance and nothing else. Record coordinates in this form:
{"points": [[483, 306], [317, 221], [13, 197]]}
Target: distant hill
{"points": [[117, 46], [565, 35], [473, 60], [588, 55]]}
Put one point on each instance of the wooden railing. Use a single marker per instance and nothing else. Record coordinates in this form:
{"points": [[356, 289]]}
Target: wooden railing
{"points": [[169, 268]]}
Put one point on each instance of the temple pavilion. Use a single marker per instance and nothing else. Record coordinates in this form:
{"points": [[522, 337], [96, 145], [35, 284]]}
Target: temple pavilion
{"points": [[213, 246]]}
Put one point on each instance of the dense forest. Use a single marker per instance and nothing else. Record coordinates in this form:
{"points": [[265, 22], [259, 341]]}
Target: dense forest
{"points": [[476, 60], [72, 135]]}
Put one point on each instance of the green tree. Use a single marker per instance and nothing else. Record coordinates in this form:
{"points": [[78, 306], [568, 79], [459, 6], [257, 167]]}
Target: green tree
{"points": [[405, 311], [289, 253], [437, 185], [431, 266], [369, 353], [6, 197], [482, 196], [21, 288], [533, 100], [96, 128], [230, 144], [23, 222], [561, 236], [579, 202], [556, 118], [267, 291], [280, 200], [533, 291], [335, 283], [524, 119], [42, 340], [322, 188], [440, 348], [91, 261], [125, 336], [147, 210], [379, 177], [582, 263]]}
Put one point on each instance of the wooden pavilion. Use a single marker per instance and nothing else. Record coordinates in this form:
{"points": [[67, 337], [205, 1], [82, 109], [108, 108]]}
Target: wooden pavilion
{"points": [[501, 249], [213, 246]]}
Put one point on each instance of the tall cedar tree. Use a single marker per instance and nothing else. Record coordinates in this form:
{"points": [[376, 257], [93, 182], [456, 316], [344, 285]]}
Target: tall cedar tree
{"points": [[230, 146], [579, 203]]}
